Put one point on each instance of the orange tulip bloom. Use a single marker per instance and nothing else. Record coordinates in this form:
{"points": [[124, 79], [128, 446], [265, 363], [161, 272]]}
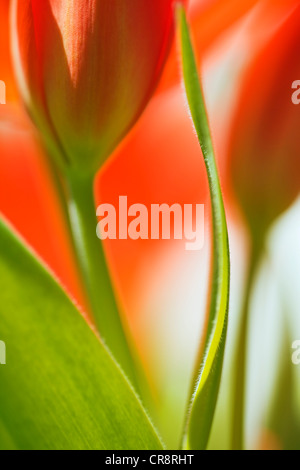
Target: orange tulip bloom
{"points": [[264, 148], [87, 69]]}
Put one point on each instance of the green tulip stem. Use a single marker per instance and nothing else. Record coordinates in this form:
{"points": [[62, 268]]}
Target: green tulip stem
{"points": [[94, 270], [240, 363]]}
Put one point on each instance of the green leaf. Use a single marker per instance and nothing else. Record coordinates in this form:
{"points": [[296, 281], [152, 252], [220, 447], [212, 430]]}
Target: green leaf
{"points": [[60, 388], [210, 359]]}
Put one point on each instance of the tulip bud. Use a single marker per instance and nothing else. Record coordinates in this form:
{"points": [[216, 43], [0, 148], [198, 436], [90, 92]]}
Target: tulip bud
{"points": [[265, 146], [87, 68]]}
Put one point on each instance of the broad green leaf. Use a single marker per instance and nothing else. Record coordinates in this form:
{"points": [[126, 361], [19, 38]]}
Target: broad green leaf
{"points": [[60, 388], [210, 360]]}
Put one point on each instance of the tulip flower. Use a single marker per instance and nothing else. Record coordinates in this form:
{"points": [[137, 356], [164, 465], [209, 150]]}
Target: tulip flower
{"points": [[264, 159], [264, 148], [87, 69]]}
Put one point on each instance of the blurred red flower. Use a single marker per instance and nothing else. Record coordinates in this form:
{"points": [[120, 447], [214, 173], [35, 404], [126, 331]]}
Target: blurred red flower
{"points": [[264, 145]]}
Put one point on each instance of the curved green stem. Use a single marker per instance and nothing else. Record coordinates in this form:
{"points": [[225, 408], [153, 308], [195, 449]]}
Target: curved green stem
{"points": [[239, 381], [94, 272], [209, 363]]}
